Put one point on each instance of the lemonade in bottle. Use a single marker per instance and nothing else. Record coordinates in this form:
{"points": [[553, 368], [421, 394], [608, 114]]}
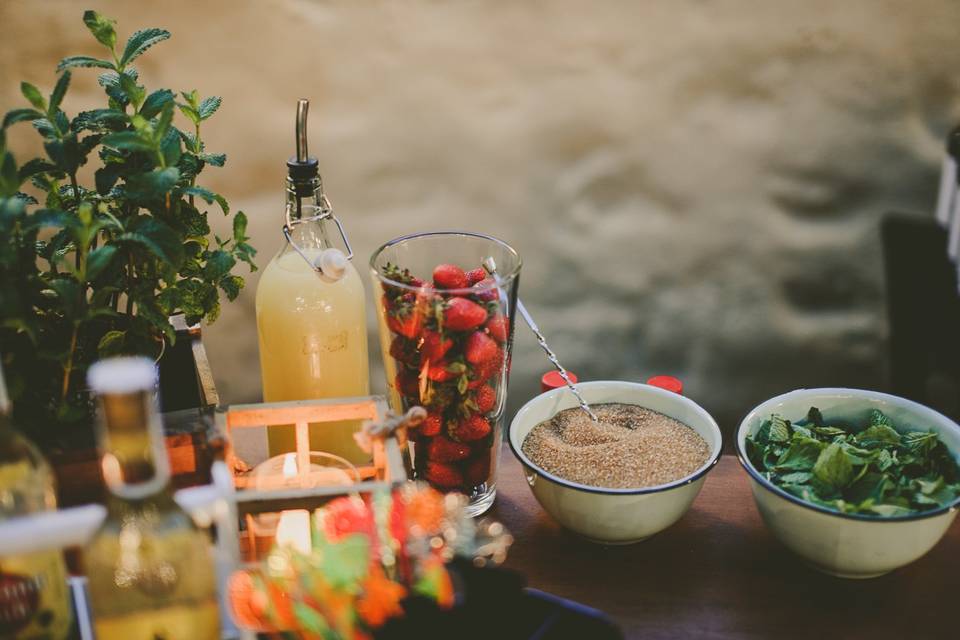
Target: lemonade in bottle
{"points": [[311, 317]]}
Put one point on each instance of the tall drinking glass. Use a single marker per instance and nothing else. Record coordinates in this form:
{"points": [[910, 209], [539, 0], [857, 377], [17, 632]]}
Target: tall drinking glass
{"points": [[448, 350]]}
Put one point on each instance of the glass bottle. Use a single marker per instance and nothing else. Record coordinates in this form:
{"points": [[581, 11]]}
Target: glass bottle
{"points": [[34, 596], [150, 570], [311, 315]]}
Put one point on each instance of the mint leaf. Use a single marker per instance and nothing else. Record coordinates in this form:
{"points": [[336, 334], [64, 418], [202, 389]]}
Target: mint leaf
{"points": [[834, 467], [33, 96], [127, 141], [155, 102], [101, 28], [208, 107], [20, 115], [801, 456], [59, 91], [140, 42], [83, 61], [877, 435], [779, 429]]}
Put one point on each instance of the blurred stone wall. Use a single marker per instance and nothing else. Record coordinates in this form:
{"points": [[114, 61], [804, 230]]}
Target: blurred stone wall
{"points": [[694, 185]]}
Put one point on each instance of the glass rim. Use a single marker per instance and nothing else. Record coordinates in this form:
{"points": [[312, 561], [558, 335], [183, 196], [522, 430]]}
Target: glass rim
{"points": [[502, 279]]}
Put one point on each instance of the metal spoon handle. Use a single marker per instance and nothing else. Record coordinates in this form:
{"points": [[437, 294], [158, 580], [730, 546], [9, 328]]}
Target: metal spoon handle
{"points": [[551, 356]]}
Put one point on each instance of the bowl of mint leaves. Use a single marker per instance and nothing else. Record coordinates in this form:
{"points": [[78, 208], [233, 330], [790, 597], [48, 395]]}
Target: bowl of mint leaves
{"points": [[857, 483]]}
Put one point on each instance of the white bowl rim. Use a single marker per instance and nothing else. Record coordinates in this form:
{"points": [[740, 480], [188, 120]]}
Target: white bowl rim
{"points": [[693, 477], [850, 392]]}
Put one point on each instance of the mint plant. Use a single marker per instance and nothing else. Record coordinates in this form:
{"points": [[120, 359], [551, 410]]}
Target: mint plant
{"points": [[93, 270]]}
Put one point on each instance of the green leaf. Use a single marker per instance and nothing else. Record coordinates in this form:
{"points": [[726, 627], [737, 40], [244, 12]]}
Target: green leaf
{"points": [[779, 429], [796, 477], [33, 95], [802, 455], [231, 285], [33, 167], [9, 176], [157, 238], [208, 196], [101, 27], [208, 107], [140, 42], [59, 91], [134, 92], [98, 260], [20, 115], [240, 227], [890, 510], [834, 467], [344, 563], [878, 418], [152, 185], [919, 442], [128, 141], [219, 264], [155, 102], [83, 61], [166, 117], [189, 112], [877, 435], [111, 344], [215, 159], [99, 119], [814, 417]]}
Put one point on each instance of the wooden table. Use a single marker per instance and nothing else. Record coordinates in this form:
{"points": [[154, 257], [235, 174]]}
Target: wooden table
{"points": [[718, 573]]}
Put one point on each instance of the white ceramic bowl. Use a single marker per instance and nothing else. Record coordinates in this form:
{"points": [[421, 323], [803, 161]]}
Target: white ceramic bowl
{"points": [[848, 545], [614, 516]]}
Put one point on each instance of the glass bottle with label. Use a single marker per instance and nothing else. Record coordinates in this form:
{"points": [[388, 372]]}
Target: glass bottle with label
{"points": [[311, 315], [34, 596], [150, 570]]}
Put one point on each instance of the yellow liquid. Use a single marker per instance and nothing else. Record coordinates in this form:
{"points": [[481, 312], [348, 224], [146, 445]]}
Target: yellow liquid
{"points": [[313, 344], [191, 622]]}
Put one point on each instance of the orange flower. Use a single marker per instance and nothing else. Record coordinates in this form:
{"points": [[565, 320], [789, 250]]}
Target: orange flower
{"points": [[381, 599], [425, 510]]}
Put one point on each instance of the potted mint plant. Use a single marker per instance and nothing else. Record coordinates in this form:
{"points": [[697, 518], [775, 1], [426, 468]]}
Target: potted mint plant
{"points": [[97, 267]]}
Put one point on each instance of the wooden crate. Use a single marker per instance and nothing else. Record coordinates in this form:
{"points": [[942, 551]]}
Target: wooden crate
{"points": [[385, 470]]}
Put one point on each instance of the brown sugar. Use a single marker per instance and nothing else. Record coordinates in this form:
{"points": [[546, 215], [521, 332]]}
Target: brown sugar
{"points": [[631, 447]]}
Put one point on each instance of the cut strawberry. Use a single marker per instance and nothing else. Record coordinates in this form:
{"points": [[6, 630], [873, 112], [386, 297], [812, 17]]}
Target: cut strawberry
{"points": [[443, 449], [480, 347], [432, 425], [439, 372], [485, 398], [473, 428], [407, 326], [462, 315], [449, 276], [498, 326], [475, 275], [478, 470], [443, 475], [433, 348]]}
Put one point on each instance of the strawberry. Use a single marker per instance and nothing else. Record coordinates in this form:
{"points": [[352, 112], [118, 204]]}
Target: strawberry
{"points": [[407, 384], [443, 449], [478, 469], [449, 276], [473, 428], [433, 348], [432, 425], [407, 326], [480, 347], [439, 372], [462, 315], [476, 275], [486, 290], [405, 351], [498, 326], [485, 398], [483, 371], [443, 475]]}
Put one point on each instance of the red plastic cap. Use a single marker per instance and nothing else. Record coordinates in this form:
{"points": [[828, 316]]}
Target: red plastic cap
{"points": [[667, 382], [552, 380]]}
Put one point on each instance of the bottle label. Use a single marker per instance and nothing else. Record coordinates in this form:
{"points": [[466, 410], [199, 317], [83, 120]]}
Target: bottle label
{"points": [[34, 598]]}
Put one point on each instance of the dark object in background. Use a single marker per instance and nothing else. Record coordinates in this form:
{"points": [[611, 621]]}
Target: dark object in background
{"points": [[923, 307], [496, 606]]}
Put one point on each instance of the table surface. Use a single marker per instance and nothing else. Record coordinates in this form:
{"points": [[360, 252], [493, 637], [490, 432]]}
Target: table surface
{"points": [[718, 573]]}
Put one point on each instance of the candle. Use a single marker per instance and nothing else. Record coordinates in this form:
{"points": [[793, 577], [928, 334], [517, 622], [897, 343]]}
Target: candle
{"points": [[293, 530]]}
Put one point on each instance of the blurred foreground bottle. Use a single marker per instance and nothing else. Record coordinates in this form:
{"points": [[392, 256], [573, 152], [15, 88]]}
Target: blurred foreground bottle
{"points": [[311, 317], [34, 597], [150, 570]]}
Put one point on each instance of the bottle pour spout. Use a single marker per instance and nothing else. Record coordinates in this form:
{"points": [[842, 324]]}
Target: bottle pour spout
{"points": [[302, 168]]}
